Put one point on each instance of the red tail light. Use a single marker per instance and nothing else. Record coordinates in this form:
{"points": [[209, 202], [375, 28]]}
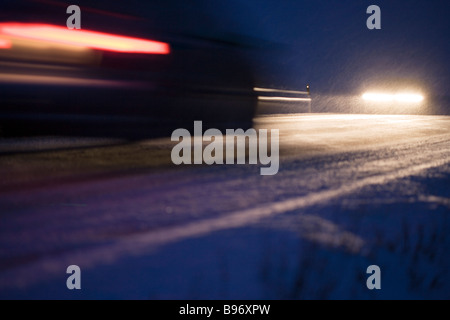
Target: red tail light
{"points": [[5, 44], [82, 38]]}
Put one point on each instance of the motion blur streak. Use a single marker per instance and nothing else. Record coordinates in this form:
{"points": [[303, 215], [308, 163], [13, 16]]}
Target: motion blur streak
{"points": [[399, 97], [5, 44], [277, 90], [60, 81], [283, 99], [83, 38]]}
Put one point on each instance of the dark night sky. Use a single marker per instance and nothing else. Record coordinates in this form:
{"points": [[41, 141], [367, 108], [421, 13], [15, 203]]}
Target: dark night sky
{"points": [[328, 44], [324, 43]]}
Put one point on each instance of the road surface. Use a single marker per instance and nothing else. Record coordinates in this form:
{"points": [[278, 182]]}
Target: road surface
{"points": [[351, 191]]}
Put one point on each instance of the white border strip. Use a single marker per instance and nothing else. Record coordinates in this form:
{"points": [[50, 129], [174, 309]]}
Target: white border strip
{"points": [[283, 99]]}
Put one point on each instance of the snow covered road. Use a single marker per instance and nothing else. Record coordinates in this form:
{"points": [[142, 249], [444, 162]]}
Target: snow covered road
{"points": [[352, 190]]}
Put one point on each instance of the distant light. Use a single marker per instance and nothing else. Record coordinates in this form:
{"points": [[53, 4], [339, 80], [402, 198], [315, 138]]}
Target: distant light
{"points": [[378, 97], [83, 38], [398, 97], [407, 97]]}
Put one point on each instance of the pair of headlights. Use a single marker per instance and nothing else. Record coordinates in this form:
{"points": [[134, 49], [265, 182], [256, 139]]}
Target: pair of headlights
{"points": [[392, 97]]}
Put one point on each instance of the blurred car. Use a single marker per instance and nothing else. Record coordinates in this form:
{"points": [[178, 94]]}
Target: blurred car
{"points": [[134, 70]]}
